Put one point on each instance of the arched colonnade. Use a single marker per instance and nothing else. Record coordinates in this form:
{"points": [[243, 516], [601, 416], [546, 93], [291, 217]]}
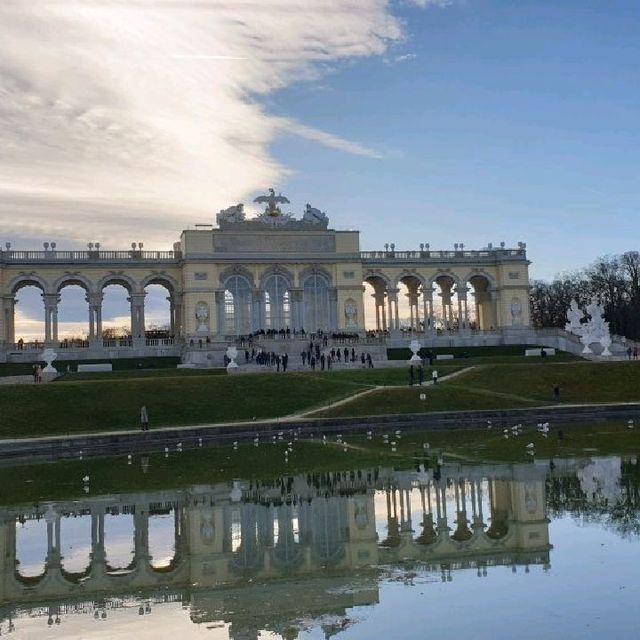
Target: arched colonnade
{"points": [[276, 301], [443, 301], [94, 289]]}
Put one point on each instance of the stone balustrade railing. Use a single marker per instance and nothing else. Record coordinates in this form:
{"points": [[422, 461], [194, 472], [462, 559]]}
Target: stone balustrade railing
{"points": [[422, 255], [100, 255], [9, 256]]}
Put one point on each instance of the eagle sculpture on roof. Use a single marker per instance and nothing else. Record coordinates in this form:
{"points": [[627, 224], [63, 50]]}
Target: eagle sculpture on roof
{"points": [[272, 200]]}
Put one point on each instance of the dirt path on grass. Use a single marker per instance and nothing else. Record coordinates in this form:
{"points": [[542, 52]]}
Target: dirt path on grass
{"points": [[309, 413]]}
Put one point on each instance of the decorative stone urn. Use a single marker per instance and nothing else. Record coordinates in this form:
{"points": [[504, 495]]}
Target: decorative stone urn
{"points": [[415, 347], [232, 354], [49, 355]]}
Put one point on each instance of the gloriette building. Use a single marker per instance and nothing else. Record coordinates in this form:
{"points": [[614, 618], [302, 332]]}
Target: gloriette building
{"points": [[274, 272]]}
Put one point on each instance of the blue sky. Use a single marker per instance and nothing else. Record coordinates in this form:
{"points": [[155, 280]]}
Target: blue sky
{"points": [[414, 121], [514, 121]]}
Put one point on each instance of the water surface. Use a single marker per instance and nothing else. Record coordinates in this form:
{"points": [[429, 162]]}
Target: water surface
{"points": [[547, 549]]}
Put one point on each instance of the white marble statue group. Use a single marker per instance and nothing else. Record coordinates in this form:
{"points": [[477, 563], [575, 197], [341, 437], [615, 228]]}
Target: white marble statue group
{"points": [[594, 329]]}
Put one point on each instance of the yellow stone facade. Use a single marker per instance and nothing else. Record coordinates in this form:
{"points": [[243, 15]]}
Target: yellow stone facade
{"points": [[247, 276]]}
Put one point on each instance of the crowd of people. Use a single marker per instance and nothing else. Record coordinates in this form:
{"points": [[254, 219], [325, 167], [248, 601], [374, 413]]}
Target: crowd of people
{"points": [[315, 355], [341, 337], [265, 358]]}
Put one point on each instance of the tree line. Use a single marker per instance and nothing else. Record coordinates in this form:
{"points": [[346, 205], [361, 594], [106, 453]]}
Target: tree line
{"points": [[613, 280]]}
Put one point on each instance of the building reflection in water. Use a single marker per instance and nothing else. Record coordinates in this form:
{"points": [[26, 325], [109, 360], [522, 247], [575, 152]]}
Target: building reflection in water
{"points": [[322, 542]]}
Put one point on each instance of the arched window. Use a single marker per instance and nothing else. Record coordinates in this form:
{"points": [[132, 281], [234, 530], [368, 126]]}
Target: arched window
{"points": [[277, 302], [237, 305], [316, 302]]}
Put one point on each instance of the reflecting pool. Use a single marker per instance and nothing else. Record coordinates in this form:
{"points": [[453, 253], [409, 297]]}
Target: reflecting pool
{"points": [[545, 549]]}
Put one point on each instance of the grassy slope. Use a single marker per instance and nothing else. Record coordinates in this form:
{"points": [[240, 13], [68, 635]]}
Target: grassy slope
{"points": [[94, 401], [475, 353], [84, 406], [505, 386], [119, 364], [138, 373], [76, 407]]}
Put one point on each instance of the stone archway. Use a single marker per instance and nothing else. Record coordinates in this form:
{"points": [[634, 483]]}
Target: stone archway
{"points": [[378, 285]]}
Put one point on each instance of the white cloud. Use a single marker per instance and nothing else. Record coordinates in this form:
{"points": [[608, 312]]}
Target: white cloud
{"points": [[405, 57], [122, 116], [431, 3], [291, 127]]}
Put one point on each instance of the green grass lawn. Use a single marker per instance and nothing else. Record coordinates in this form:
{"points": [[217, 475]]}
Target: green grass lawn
{"points": [[87, 402], [580, 382], [173, 400], [381, 376], [502, 353], [506, 386], [85, 406], [407, 400], [131, 374], [119, 364]]}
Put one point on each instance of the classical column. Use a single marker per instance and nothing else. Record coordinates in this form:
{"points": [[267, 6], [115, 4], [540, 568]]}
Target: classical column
{"points": [[443, 304], [51, 301], [465, 311], [137, 318], [494, 299], [9, 306], [333, 310], [426, 304], [175, 305], [172, 316], [413, 307], [54, 557], [258, 305], [92, 331], [141, 536], [95, 317], [220, 314], [379, 302], [394, 320], [389, 323], [98, 554]]}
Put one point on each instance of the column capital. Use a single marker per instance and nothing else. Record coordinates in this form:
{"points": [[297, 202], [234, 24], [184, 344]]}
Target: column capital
{"points": [[51, 299], [95, 298], [137, 297]]}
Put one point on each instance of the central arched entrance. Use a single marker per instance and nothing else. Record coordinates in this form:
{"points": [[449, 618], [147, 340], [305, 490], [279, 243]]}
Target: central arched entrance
{"points": [[315, 292], [238, 306], [277, 302]]}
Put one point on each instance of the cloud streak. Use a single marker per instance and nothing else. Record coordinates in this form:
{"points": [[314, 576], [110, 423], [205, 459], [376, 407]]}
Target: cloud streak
{"points": [[121, 116]]}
